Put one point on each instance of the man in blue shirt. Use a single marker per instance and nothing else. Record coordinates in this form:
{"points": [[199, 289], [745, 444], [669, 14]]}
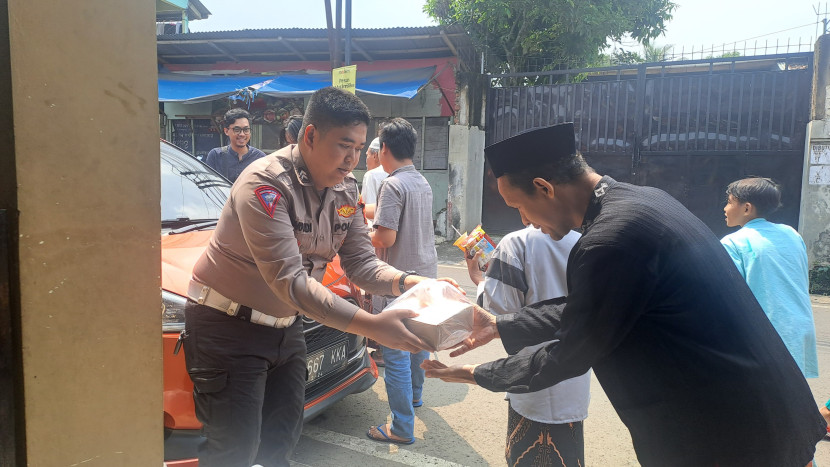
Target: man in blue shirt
{"points": [[232, 159], [772, 258]]}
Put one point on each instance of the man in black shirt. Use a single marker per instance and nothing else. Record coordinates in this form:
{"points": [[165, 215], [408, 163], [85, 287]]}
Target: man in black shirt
{"points": [[655, 305], [232, 159]]}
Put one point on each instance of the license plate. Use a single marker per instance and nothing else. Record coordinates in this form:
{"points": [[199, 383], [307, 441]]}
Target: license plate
{"points": [[325, 361]]}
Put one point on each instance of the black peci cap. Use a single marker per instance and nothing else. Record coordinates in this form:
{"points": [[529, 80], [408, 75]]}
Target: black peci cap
{"points": [[530, 149]]}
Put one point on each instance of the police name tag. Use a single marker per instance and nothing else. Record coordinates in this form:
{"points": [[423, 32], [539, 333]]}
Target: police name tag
{"points": [[325, 361]]}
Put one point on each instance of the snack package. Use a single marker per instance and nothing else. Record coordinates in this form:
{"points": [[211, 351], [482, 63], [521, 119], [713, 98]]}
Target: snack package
{"points": [[477, 241], [445, 314]]}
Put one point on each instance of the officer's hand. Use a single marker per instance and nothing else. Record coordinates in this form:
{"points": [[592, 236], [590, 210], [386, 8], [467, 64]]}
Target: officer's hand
{"points": [[412, 280], [391, 332], [450, 374], [453, 283], [387, 329], [484, 330]]}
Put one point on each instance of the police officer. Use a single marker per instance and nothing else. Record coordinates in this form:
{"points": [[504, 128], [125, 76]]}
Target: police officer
{"points": [[288, 214]]}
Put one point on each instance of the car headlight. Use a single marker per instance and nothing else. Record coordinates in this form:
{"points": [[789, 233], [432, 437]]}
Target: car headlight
{"points": [[172, 312]]}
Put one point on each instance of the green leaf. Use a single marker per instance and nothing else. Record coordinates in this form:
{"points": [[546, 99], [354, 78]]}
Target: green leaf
{"points": [[512, 32]]}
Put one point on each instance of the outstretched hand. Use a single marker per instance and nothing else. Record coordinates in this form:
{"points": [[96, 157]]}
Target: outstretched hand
{"points": [[388, 329], [413, 280], [484, 330], [450, 374], [452, 282]]}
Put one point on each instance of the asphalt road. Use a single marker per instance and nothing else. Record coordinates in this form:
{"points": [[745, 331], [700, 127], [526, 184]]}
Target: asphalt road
{"points": [[463, 425]]}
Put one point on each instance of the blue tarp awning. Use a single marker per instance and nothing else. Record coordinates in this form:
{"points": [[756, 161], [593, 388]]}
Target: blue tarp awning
{"points": [[187, 88], [175, 87]]}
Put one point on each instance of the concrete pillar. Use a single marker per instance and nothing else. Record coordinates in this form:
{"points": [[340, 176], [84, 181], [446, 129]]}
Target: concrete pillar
{"points": [[466, 164], [86, 155], [814, 219]]}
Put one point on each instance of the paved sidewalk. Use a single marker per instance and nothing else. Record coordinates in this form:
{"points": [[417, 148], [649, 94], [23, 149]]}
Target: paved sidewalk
{"points": [[449, 254], [820, 299]]}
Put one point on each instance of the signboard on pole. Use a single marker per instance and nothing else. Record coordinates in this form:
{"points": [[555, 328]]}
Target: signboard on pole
{"points": [[344, 78]]}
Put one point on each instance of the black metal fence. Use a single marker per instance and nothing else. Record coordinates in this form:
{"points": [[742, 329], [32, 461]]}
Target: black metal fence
{"points": [[621, 55], [687, 127]]}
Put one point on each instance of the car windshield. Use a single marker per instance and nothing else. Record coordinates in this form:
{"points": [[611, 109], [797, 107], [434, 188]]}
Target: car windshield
{"points": [[191, 192]]}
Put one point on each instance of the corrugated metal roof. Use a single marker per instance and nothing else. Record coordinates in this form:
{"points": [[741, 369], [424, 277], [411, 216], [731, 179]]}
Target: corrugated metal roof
{"points": [[298, 44], [313, 32]]}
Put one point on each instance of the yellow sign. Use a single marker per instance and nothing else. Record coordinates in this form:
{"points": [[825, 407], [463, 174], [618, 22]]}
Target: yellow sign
{"points": [[344, 78]]}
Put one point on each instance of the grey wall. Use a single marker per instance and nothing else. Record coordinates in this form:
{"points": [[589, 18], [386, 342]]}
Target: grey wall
{"points": [[466, 178], [814, 219]]}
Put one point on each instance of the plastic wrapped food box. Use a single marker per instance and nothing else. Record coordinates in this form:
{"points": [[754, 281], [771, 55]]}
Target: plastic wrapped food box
{"points": [[445, 315]]}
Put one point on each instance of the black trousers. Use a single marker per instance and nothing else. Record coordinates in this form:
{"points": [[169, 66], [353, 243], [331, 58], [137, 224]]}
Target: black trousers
{"points": [[249, 387]]}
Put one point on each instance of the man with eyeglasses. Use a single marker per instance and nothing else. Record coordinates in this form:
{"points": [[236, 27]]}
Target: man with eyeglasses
{"points": [[232, 159]]}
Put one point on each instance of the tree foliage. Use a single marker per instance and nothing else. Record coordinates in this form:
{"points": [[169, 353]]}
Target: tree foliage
{"points": [[625, 57], [654, 53], [564, 32], [731, 54]]}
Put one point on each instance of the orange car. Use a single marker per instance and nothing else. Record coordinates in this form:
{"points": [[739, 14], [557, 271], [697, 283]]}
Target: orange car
{"points": [[192, 196]]}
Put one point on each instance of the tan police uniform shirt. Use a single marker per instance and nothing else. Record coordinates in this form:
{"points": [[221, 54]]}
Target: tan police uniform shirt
{"points": [[275, 236]]}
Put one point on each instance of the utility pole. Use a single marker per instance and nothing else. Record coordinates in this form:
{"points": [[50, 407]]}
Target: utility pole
{"points": [[334, 27], [338, 22], [348, 32], [331, 34]]}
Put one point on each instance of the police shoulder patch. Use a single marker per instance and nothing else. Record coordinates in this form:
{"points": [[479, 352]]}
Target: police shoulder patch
{"points": [[346, 211], [268, 197]]}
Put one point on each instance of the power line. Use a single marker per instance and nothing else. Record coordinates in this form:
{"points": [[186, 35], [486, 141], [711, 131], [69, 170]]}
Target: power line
{"points": [[713, 47], [771, 33]]}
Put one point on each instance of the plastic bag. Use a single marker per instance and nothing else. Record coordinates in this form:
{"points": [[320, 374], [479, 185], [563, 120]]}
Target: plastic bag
{"points": [[445, 315]]}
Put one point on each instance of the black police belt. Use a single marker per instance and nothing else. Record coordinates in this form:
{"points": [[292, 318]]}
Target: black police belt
{"points": [[208, 296]]}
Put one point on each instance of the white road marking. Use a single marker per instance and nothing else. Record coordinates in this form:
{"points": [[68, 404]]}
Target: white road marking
{"points": [[396, 452]]}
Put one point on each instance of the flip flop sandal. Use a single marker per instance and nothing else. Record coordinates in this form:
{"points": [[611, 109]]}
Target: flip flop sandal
{"points": [[418, 403], [386, 438]]}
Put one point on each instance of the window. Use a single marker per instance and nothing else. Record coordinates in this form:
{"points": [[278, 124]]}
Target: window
{"points": [[436, 143], [195, 135], [431, 148]]}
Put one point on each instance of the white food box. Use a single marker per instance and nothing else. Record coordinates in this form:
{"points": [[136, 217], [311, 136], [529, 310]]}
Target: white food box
{"points": [[445, 315]]}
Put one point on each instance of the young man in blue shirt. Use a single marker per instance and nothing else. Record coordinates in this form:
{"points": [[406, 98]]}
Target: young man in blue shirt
{"points": [[772, 258]]}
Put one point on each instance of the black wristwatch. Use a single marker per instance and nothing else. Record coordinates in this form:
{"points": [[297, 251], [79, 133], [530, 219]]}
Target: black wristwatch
{"points": [[401, 280]]}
